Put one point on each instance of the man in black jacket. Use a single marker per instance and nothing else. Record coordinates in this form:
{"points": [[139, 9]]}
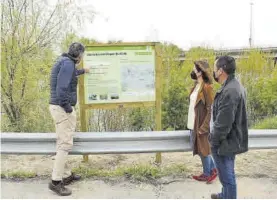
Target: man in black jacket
{"points": [[63, 98], [229, 130]]}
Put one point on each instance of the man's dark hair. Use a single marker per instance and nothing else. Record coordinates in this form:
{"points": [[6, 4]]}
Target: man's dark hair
{"points": [[75, 49], [227, 63]]}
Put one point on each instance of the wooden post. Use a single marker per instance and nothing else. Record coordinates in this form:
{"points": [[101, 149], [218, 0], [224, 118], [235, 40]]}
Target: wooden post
{"points": [[83, 114], [158, 110]]}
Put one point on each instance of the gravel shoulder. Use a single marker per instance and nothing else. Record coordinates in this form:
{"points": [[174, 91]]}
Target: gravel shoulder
{"points": [[248, 188], [256, 172], [257, 163]]}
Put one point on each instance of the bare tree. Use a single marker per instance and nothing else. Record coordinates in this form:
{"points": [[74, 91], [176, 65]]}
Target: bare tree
{"points": [[30, 30]]}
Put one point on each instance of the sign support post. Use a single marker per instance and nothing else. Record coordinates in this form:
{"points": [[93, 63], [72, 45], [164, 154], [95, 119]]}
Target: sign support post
{"points": [[158, 109], [83, 116]]}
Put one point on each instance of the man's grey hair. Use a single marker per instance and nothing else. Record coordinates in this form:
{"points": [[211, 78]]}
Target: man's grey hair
{"points": [[75, 49]]}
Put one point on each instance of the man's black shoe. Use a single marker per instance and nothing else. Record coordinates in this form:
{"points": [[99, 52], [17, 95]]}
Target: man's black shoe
{"points": [[59, 189], [215, 196], [71, 178]]}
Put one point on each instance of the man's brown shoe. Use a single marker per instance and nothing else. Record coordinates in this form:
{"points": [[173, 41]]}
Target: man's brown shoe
{"points": [[71, 178], [59, 189]]}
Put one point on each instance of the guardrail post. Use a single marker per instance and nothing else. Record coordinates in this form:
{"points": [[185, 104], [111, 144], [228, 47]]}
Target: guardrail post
{"points": [[85, 158]]}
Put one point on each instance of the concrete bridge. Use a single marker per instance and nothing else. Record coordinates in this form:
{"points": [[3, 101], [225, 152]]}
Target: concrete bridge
{"points": [[237, 53]]}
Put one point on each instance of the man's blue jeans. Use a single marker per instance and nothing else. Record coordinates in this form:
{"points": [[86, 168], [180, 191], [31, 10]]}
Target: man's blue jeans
{"points": [[226, 173]]}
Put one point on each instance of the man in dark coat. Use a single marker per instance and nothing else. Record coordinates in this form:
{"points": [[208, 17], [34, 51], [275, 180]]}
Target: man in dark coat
{"points": [[229, 129]]}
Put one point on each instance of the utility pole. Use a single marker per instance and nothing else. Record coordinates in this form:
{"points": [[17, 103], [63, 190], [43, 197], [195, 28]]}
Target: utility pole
{"points": [[251, 24]]}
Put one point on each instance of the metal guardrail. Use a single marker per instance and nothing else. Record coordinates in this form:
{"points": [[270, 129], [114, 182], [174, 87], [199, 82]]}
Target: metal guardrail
{"points": [[119, 142]]}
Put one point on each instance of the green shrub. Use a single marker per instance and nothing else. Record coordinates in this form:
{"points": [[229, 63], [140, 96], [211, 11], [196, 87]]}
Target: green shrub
{"points": [[268, 123]]}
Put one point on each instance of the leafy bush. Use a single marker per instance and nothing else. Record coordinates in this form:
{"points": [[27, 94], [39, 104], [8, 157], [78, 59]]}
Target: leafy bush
{"points": [[268, 123], [257, 74]]}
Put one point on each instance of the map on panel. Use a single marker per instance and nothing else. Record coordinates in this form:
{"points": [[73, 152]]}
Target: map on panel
{"points": [[119, 74]]}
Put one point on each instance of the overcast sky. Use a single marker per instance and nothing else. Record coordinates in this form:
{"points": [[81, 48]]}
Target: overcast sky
{"points": [[187, 23]]}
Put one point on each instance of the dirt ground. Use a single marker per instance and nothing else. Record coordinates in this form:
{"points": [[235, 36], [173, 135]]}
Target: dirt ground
{"points": [[256, 171], [258, 163]]}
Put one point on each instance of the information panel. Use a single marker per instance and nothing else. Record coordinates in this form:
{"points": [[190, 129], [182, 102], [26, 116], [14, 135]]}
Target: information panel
{"points": [[119, 74]]}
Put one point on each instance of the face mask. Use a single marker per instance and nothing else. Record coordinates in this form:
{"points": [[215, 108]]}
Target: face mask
{"points": [[215, 78], [193, 75], [79, 59], [78, 62]]}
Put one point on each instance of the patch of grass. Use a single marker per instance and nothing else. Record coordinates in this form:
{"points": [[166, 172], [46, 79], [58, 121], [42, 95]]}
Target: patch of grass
{"points": [[268, 123], [175, 170], [92, 172], [138, 172], [142, 172], [135, 172], [18, 174]]}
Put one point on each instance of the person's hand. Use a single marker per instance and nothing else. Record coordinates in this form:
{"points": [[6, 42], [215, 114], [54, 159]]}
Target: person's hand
{"points": [[201, 133], [86, 70], [67, 108]]}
